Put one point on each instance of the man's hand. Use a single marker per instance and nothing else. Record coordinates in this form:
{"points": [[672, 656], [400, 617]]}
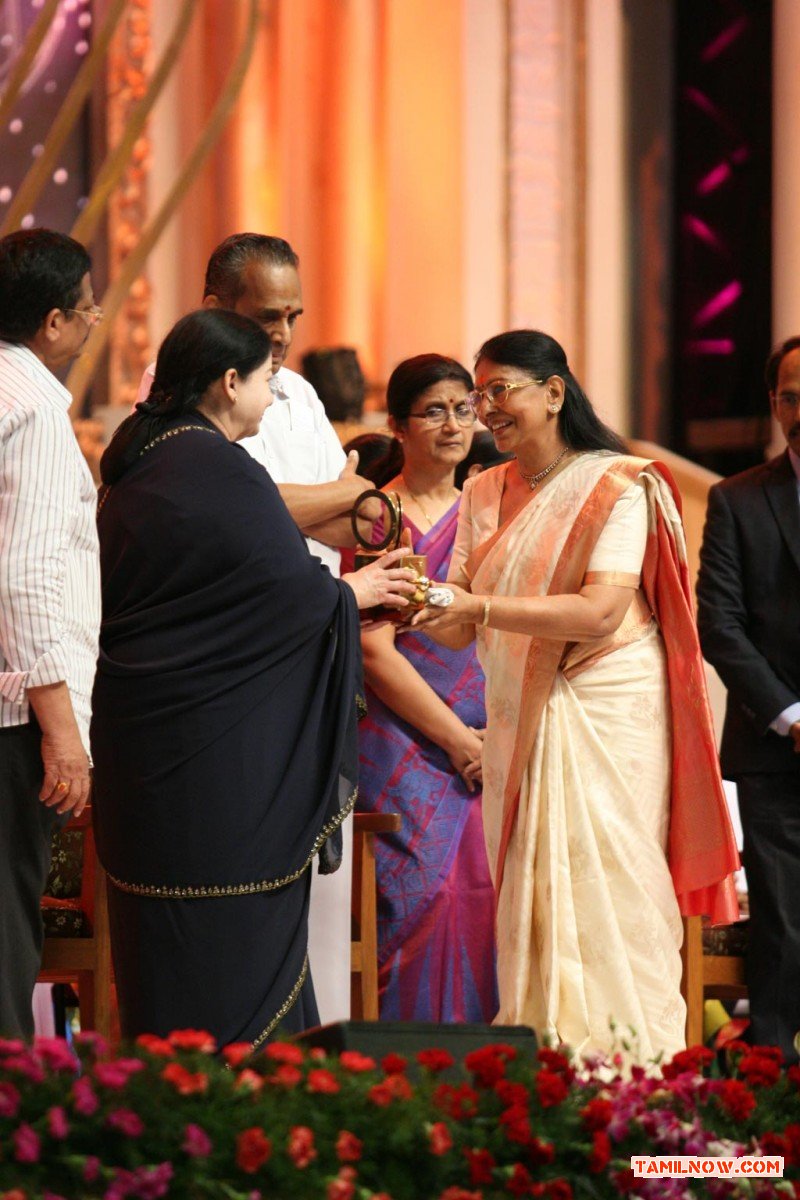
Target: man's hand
{"points": [[66, 772], [794, 734], [371, 509]]}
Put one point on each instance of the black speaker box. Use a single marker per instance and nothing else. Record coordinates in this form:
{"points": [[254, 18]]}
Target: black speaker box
{"points": [[378, 1038]]}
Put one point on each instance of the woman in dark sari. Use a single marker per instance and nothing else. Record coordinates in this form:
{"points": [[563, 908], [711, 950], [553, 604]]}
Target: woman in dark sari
{"points": [[223, 735], [420, 744]]}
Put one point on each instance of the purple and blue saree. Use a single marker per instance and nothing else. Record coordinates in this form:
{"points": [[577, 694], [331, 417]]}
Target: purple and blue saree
{"points": [[436, 951]]}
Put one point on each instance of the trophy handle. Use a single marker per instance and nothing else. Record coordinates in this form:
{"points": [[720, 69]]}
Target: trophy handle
{"points": [[394, 507]]}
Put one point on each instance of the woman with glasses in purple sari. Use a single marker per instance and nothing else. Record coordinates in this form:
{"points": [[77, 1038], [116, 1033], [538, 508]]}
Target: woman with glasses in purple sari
{"points": [[420, 744]]}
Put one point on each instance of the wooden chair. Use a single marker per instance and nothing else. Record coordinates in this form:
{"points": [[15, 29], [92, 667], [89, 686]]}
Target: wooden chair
{"points": [[364, 946], [77, 946], [706, 975]]}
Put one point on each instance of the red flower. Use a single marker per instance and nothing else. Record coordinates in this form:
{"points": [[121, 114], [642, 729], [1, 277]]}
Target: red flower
{"points": [[540, 1152], [481, 1163], [760, 1070], [355, 1062], [285, 1076], [625, 1181], [512, 1094], [521, 1182], [597, 1113], [253, 1149], [348, 1147], [517, 1125], [393, 1087], [192, 1039], [320, 1080], [559, 1189], [486, 1065], [394, 1064], [284, 1052], [186, 1083], [773, 1143], [155, 1045], [736, 1098], [555, 1061], [236, 1053], [301, 1148], [460, 1102], [601, 1152], [27, 1144], [342, 1187], [439, 1139], [551, 1089], [693, 1060], [453, 1193], [249, 1081], [792, 1137], [435, 1060]]}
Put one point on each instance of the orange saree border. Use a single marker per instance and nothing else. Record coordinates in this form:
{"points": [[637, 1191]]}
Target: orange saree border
{"points": [[702, 850]]}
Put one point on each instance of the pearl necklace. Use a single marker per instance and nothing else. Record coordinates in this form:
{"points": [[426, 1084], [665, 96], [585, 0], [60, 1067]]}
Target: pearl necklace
{"points": [[533, 480]]}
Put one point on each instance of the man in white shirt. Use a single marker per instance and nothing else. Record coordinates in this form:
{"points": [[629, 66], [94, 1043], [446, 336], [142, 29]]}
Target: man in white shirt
{"points": [[49, 589], [257, 275]]}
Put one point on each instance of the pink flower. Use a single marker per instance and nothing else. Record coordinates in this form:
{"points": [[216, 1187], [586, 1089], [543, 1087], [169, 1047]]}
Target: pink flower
{"points": [[196, 1142], [301, 1148], [116, 1074], [56, 1054], [91, 1169], [57, 1123], [83, 1097], [9, 1100], [125, 1121], [27, 1144], [25, 1064], [95, 1042], [11, 1046]]}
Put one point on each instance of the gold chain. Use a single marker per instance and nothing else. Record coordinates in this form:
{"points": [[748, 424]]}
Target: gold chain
{"points": [[162, 437], [429, 519]]}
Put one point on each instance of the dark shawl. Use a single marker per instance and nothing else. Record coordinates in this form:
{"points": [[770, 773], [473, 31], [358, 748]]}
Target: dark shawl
{"points": [[219, 630]]}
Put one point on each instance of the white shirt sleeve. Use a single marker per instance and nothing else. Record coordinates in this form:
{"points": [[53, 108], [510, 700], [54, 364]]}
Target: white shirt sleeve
{"points": [[333, 456], [785, 720], [620, 548], [38, 490]]}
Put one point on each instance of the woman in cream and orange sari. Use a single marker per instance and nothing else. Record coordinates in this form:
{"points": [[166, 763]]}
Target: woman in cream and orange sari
{"points": [[603, 806]]}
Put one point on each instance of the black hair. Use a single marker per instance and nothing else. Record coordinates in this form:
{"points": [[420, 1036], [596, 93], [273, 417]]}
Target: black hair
{"points": [[776, 358], [198, 350], [414, 376], [226, 267], [541, 356], [39, 270], [483, 452], [377, 456]]}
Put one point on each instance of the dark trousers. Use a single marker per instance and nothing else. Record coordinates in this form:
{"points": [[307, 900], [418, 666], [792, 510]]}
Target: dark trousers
{"points": [[770, 811], [26, 828]]}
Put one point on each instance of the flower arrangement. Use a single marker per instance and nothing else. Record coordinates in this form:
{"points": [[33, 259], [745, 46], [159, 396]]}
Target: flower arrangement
{"points": [[172, 1118]]}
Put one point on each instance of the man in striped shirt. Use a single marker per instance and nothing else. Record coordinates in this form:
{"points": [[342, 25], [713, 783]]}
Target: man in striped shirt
{"points": [[49, 588]]}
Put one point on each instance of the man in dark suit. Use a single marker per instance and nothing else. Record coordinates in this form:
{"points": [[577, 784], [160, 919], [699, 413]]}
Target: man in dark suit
{"points": [[749, 617]]}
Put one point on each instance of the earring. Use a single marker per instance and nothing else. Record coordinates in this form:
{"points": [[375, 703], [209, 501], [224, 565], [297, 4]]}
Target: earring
{"points": [[554, 408]]}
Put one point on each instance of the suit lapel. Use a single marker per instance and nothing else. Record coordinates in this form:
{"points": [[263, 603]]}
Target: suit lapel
{"points": [[781, 489]]}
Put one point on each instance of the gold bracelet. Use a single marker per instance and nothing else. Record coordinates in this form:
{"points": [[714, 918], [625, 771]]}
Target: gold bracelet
{"points": [[487, 608]]}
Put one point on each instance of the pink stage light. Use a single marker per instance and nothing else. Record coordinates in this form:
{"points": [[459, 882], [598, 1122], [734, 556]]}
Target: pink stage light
{"points": [[714, 179], [704, 233], [717, 304], [705, 346], [725, 39]]}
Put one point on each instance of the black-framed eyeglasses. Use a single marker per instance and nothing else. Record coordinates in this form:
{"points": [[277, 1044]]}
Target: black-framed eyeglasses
{"points": [[93, 315], [495, 393], [438, 414]]}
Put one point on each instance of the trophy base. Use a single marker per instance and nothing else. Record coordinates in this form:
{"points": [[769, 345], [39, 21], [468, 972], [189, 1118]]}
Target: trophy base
{"points": [[398, 616]]}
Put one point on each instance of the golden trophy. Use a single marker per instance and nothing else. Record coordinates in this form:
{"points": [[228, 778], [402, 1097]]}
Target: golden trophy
{"points": [[369, 551]]}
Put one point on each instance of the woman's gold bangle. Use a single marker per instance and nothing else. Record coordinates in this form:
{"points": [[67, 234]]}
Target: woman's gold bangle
{"points": [[487, 608]]}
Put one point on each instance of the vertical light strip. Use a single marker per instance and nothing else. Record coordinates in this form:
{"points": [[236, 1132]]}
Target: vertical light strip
{"points": [[785, 180]]}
